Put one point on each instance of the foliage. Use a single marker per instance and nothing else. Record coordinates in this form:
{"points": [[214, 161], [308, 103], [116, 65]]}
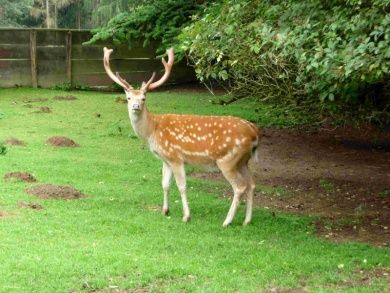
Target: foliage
{"points": [[160, 21], [326, 185], [102, 11], [67, 86], [48, 11], [13, 13], [297, 52], [62, 13]]}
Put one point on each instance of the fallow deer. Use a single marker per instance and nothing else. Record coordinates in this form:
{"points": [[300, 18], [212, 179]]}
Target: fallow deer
{"points": [[227, 142]]}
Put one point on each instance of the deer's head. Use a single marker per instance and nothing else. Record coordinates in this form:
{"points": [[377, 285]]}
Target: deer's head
{"points": [[136, 97]]}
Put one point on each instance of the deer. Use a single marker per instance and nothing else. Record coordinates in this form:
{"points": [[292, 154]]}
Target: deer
{"points": [[177, 139]]}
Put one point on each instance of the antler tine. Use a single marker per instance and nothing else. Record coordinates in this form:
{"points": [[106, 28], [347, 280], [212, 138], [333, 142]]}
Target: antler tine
{"points": [[116, 78], [123, 80], [145, 86], [168, 67]]}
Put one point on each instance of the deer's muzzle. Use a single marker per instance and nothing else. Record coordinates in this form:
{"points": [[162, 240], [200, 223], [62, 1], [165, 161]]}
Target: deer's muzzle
{"points": [[136, 107]]}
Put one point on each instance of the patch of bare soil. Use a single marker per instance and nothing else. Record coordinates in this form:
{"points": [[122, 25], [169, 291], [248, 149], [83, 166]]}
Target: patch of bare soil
{"points": [[21, 176], [152, 208], [47, 191], [29, 205], [285, 290], [363, 277], [14, 141], [62, 141], [34, 100], [156, 285], [118, 290], [64, 98], [43, 110], [342, 176]]}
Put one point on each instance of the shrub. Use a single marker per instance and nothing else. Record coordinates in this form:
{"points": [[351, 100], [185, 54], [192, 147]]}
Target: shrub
{"points": [[315, 54], [159, 20], [297, 52]]}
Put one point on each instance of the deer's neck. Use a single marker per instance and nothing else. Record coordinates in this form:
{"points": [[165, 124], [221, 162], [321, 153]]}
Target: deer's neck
{"points": [[142, 122]]}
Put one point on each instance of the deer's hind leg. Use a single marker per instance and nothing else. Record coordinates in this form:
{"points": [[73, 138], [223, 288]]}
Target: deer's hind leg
{"points": [[239, 184], [250, 191]]}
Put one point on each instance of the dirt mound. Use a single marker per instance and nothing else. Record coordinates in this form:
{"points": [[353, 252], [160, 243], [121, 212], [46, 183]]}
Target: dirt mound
{"points": [[43, 110], [119, 290], [285, 290], [14, 141], [47, 191], [120, 100], [22, 176], [29, 205], [34, 100], [62, 141], [64, 98]]}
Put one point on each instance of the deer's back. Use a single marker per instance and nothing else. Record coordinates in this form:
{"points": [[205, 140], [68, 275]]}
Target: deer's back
{"points": [[202, 139]]}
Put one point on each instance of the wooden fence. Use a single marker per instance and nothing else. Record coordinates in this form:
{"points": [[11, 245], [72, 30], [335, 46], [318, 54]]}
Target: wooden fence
{"points": [[46, 58]]}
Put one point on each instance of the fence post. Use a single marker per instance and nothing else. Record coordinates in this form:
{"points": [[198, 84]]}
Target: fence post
{"points": [[68, 44], [33, 56]]}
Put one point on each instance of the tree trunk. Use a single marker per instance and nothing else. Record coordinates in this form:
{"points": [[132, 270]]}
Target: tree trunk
{"points": [[55, 16], [47, 14], [78, 15]]}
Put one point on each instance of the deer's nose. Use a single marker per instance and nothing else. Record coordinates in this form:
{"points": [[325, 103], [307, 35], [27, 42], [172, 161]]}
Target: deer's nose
{"points": [[136, 107]]}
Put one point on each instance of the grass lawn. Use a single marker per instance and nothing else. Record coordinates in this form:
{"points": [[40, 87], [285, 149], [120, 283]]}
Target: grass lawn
{"points": [[116, 237]]}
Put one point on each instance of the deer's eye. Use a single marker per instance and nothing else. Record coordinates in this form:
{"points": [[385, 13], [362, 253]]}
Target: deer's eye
{"points": [[128, 98], [143, 99]]}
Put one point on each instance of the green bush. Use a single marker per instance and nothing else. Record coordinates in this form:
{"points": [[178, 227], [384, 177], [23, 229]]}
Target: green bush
{"points": [[67, 86], [313, 54], [159, 20], [299, 52]]}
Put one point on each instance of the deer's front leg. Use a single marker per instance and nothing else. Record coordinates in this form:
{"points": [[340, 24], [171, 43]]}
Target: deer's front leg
{"points": [[180, 177], [166, 184]]}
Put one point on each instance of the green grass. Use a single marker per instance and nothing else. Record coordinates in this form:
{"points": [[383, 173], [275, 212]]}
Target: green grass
{"points": [[116, 238], [385, 193], [326, 185]]}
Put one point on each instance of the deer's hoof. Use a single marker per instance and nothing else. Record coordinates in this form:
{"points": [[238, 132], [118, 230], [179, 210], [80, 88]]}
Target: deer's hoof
{"points": [[246, 223], [165, 212], [226, 224], [186, 219]]}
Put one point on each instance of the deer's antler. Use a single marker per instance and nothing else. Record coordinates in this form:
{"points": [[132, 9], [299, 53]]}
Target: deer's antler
{"points": [[168, 67], [115, 77], [146, 85]]}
